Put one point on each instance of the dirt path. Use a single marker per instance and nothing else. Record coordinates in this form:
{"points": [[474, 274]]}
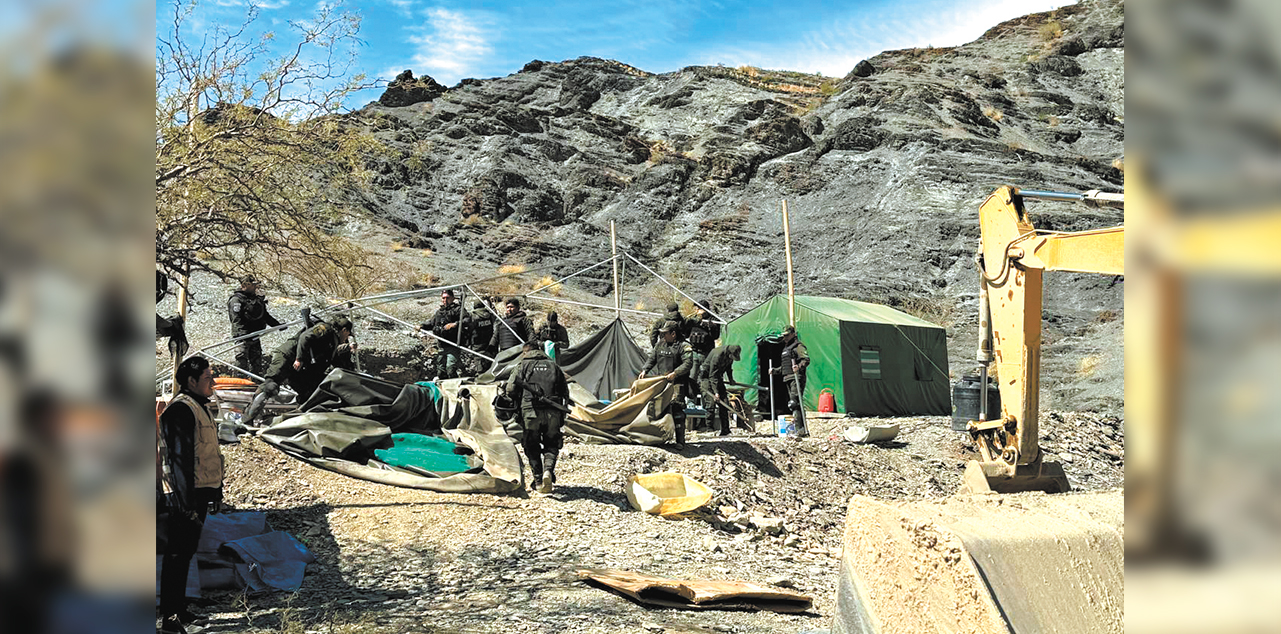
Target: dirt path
{"points": [[402, 560]]}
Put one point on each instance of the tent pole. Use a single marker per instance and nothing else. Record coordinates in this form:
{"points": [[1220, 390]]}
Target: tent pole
{"points": [[719, 319], [544, 286], [791, 289], [183, 280], [613, 245]]}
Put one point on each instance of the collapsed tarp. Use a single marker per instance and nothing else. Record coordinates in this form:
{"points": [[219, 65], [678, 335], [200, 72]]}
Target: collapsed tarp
{"points": [[352, 416], [639, 418]]}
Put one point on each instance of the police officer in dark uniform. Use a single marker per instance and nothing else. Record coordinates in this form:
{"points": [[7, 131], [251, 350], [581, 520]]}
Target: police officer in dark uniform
{"points": [[480, 329], [514, 329], [446, 324], [702, 332], [673, 314], [673, 358], [554, 332], [719, 364], [304, 360], [538, 384], [795, 360], [247, 310]]}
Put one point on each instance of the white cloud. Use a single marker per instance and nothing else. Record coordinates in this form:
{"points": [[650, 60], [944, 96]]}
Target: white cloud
{"points": [[449, 47], [837, 47]]}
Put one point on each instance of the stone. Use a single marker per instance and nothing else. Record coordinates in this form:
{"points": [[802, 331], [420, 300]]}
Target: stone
{"points": [[781, 581]]}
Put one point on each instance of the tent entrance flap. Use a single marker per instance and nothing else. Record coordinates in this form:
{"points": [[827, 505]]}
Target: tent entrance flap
{"points": [[769, 350]]}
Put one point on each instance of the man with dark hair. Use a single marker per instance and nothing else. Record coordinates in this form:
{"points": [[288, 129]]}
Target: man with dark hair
{"points": [[539, 386], [673, 314], [554, 332], [792, 367], [247, 309], [304, 360], [513, 329], [190, 481], [446, 324], [673, 359], [718, 366]]}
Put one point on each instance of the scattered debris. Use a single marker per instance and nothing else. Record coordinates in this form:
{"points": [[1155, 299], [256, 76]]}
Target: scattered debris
{"points": [[698, 593]]}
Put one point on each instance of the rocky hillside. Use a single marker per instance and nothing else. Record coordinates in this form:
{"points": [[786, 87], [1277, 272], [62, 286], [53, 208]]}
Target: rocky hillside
{"points": [[883, 172]]}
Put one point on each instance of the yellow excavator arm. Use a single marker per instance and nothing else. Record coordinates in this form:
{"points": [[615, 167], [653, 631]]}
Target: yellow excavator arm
{"points": [[1012, 259]]}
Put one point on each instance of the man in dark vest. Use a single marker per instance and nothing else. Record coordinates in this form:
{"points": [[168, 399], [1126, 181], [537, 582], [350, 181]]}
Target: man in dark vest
{"points": [[303, 361], [447, 323], [481, 328], [673, 314], [702, 331], [554, 332], [718, 366], [673, 359], [513, 329], [539, 386], [792, 368], [247, 310], [191, 474]]}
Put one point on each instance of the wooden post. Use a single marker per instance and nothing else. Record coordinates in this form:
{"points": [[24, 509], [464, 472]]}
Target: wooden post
{"points": [[791, 289], [618, 298], [183, 280]]}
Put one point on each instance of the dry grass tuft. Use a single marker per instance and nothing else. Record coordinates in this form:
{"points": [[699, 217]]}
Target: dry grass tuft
{"points": [[547, 280], [511, 269], [471, 221], [1119, 164], [397, 247], [1051, 30], [992, 113], [1088, 365]]}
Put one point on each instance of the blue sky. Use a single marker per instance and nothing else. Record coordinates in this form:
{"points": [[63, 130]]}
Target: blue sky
{"points": [[451, 39]]}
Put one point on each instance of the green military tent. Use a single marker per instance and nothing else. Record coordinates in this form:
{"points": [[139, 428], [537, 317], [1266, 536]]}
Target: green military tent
{"points": [[877, 361]]}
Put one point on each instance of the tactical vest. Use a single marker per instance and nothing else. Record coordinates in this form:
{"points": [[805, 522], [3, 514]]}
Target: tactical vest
{"points": [[247, 314], [506, 338], [208, 459], [669, 356], [482, 322], [541, 374], [789, 355]]}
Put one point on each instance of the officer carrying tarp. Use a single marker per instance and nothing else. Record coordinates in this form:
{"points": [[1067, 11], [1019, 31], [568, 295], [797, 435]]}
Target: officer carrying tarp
{"points": [[539, 386], [303, 360], [673, 358]]}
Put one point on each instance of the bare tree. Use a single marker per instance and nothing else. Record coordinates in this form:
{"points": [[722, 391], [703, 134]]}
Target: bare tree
{"points": [[254, 158]]}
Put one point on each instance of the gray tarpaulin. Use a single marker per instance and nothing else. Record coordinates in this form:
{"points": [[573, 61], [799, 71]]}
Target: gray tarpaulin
{"points": [[606, 361]]}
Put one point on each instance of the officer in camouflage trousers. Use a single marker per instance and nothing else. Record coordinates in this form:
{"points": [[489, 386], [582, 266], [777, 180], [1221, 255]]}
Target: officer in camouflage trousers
{"points": [[247, 311], [702, 332], [538, 385], [447, 324], [718, 366], [481, 329], [673, 359]]}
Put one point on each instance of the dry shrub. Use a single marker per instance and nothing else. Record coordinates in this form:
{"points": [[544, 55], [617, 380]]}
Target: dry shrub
{"points": [[1088, 365], [426, 253], [397, 247], [641, 305], [1051, 30], [1053, 121], [992, 113], [471, 221], [1014, 146], [1119, 164], [552, 288], [511, 269], [352, 271]]}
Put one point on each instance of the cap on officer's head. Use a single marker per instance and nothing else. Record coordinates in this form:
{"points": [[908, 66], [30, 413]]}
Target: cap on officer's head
{"points": [[673, 306], [478, 304], [449, 292], [341, 323], [736, 351], [248, 279], [668, 326]]}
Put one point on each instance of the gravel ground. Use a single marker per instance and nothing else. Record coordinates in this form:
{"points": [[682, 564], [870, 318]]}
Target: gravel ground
{"points": [[402, 560]]}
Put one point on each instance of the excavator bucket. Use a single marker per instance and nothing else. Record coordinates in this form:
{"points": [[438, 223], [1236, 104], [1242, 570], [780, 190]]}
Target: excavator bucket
{"points": [[998, 477], [988, 564]]}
